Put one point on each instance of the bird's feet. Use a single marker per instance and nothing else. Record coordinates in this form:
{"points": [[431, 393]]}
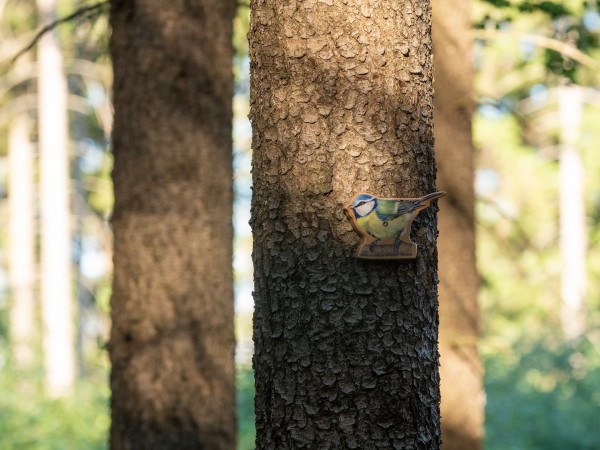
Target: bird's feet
{"points": [[397, 243], [373, 246]]}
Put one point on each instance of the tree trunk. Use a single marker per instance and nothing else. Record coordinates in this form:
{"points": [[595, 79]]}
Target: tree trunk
{"points": [[572, 214], [460, 369], [341, 103], [21, 240], [55, 267], [172, 338]]}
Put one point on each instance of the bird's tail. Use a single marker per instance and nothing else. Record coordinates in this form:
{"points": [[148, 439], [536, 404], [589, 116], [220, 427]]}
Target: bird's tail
{"points": [[427, 198]]}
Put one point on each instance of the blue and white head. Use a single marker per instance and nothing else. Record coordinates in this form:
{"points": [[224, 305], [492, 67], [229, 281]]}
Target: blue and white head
{"points": [[363, 205]]}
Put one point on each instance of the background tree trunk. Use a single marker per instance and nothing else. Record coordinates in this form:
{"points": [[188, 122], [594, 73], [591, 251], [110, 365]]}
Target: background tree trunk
{"points": [[21, 229], [55, 266], [461, 372], [172, 340], [341, 103], [573, 242]]}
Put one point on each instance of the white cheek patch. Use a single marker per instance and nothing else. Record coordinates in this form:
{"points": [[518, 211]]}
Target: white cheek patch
{"points": [[365, 209]]}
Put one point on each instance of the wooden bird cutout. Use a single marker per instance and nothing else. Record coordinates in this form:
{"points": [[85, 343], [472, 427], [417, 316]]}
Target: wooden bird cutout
{"points": [[384, 224]]}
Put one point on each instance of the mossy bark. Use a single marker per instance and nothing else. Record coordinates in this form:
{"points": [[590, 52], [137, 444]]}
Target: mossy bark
{"points": [[341, 103], [461, 371], [172, 339]]}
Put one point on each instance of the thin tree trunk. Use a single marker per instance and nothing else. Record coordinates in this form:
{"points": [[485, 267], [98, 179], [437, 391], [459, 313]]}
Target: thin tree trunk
{"points": [[341, 103], [21, 240], [461, 372], [572, 214], [56, 297], [172, 337]]}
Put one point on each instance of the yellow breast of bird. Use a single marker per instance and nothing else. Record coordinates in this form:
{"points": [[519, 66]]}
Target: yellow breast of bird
{"points": [[379, 229]]}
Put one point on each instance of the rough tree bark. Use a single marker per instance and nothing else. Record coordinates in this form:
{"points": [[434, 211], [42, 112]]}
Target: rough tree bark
{"points": [[461, 372], [172, 338], [341, 103]]}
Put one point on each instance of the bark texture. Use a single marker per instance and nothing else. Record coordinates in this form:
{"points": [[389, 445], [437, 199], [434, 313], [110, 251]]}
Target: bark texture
{"points": [[341, 103], [461, 373], [172, 339]]}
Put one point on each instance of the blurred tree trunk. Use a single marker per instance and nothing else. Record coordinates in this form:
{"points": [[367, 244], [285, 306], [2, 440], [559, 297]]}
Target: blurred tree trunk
{"points": [[172, 339], [572, 214], [341, 103], [21, 240], [55, 268], [461, 372]]}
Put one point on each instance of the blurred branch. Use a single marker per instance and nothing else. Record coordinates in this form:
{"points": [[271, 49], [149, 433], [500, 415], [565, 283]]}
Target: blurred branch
{"points": [[542, 41], [89, 10], [525, 242], [29, 102]]}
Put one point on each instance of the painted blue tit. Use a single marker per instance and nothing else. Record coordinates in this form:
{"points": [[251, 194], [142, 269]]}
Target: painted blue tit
{"points": [[383, 218]]}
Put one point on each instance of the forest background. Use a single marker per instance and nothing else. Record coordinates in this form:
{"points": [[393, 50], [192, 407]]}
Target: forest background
{"points": [[531, 59]]}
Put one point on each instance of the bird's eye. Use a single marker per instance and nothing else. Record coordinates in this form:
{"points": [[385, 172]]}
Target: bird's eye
{"points": [[360, 203]]}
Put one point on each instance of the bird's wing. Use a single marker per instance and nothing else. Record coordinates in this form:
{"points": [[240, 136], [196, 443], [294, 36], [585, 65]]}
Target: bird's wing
{"points": [[404, 207], [391, 209]]}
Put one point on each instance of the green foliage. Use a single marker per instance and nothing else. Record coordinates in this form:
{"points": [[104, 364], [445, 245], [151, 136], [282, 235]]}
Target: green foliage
{"points": [[544, 396], [542, 392], [564, 25], [20, 19], [245, 408], [29, 420], [552, 9], [241, 23]]}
